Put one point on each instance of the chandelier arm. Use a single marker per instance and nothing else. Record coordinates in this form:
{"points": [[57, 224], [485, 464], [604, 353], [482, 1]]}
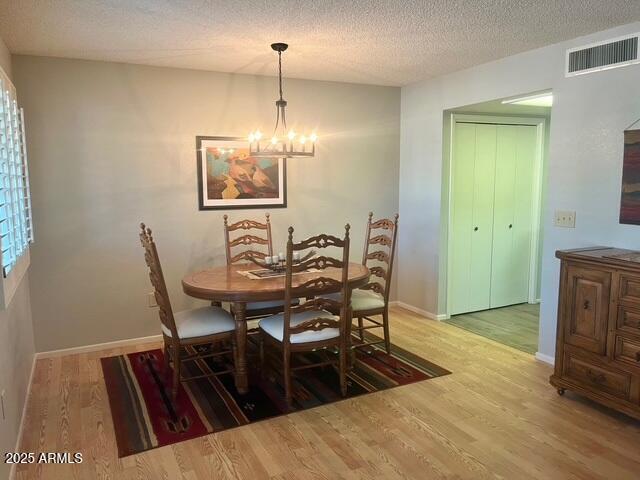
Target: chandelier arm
{"points": [[275, 130], [284, 120]]}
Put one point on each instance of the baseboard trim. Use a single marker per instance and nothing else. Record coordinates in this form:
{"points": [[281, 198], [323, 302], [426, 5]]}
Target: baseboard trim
{"points": [[12, 470], [98, 346], [419, 311], [545, 358]]}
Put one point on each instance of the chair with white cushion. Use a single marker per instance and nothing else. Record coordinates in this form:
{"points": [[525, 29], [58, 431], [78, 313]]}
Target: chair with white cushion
{"points": [[311, 326], [373, 298], [253, 309], [200, 326]]}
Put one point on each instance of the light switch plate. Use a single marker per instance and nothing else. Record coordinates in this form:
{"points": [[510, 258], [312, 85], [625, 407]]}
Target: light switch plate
{"points": [[565, 218], [151, 300]]}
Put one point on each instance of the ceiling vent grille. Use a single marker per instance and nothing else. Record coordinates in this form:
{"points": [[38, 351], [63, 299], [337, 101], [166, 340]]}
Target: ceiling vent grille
{"points": [[602, 56]]}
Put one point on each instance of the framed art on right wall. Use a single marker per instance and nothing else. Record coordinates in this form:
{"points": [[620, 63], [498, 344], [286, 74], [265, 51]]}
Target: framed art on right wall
{"points": [[630, 202]]}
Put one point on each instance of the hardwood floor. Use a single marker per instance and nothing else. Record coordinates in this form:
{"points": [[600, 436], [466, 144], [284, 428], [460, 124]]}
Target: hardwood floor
{"points": [[495, 416], [516, 326]]}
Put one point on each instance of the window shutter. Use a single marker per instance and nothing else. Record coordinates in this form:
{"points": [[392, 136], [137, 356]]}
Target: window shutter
{"points": [[16, 227]]}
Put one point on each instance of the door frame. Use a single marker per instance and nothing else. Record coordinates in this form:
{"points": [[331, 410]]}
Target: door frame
{"points": [[540, 123]]}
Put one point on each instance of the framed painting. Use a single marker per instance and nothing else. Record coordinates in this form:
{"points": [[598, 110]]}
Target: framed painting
{"points": [[229, 177], [630, 202]]}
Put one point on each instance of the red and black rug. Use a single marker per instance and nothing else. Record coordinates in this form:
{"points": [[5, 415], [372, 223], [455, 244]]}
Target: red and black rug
{"points": [[144, 417]]}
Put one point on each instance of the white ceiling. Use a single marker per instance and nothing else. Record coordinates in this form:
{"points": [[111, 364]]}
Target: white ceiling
{"points": [[365, 41]]}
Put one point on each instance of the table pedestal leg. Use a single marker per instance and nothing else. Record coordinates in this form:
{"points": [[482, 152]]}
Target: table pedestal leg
{"points": [[242, 381]]}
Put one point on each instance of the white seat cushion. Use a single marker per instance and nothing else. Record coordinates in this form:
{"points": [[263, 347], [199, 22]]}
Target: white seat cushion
{"points": [[274, 326], [361, 300], [201, 322]]}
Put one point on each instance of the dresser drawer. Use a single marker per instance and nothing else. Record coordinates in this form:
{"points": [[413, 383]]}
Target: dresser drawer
{"points": [[627, 350], [597, 377], [629, 289], [628, 320]]}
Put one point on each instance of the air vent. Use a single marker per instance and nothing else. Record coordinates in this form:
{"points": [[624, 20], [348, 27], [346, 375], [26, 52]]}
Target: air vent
{"points": [[614, 53]]}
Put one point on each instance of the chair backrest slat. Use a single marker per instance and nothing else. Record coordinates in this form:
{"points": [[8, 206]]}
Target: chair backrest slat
{"points": [[381, 234], [247, 240], [317, 286], [157, 280]]}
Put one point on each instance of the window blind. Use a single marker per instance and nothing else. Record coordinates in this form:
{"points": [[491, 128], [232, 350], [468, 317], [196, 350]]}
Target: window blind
{"points": [[16, 226]]}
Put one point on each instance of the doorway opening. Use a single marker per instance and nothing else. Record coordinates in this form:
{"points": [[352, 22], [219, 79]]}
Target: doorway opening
{"points": [[494, 171]]}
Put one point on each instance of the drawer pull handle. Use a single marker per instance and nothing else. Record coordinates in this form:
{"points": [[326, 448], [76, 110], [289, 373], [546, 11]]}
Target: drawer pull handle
{"points": [[586, 305], [597, 378]]}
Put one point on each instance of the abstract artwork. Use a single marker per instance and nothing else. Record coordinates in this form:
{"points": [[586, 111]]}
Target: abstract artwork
{"points": [[228, 177], [630, 203]]}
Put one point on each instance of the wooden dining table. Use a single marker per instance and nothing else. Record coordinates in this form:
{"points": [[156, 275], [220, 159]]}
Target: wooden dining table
{"points": [[227, 284]]}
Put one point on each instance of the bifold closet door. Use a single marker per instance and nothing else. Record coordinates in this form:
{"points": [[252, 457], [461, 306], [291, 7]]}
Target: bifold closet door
{"points": [[473, 172], [512, 214]]}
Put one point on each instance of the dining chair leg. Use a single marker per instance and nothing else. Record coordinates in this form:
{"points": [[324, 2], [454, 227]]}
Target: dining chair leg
{"points": [[351, 354], [234, 353], [343, 369], [287, 378], [361, 329], [387, 338], [167, 359], [176, 376], [261, 350]]}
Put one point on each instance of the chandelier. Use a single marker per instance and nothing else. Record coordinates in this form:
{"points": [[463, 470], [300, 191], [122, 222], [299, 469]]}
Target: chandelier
{"points": [[283, 142]]}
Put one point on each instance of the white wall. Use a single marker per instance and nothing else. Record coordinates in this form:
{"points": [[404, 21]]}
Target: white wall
{"points": [[113, 144], [16, 346], [5, 59], [584, 170]]}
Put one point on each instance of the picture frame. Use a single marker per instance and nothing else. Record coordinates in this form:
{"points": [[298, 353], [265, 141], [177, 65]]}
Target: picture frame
{"points": [[230, 178], [630, 191]]}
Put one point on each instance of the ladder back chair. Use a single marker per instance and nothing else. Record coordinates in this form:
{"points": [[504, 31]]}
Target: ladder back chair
{"points": [[373, 298], [245, 239], [189, 328], [311, 326]]}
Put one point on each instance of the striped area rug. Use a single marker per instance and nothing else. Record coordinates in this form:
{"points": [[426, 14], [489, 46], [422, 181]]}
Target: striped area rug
{"points": [[145, 417]]}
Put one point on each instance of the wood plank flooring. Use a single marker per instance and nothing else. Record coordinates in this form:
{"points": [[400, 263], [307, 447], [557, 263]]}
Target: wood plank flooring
{"points": [[516, 326], [495, 416]]}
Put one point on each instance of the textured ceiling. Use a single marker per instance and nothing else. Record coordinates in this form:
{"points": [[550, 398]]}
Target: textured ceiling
{"points": [[365, 41]]}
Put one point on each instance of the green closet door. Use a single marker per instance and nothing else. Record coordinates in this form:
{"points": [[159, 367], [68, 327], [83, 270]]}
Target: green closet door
{"points": [[474, 154], [512, 218]]}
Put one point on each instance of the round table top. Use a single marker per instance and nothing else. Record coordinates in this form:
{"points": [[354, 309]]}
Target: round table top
{"points": [[225, 284]]}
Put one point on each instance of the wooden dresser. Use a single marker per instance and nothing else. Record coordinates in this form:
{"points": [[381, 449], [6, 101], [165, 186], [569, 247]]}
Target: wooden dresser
{"points": [[598, 337]]}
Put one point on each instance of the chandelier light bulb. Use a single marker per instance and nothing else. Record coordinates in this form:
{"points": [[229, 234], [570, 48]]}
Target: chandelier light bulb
{"points": [[274, 140], [291, 135], [303, 139], [258, 135], [251, 137], [313, 137]]}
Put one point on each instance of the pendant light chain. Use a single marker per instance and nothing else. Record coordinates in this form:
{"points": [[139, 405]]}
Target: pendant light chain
{"points": [[280, 73], [283, 103]]}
